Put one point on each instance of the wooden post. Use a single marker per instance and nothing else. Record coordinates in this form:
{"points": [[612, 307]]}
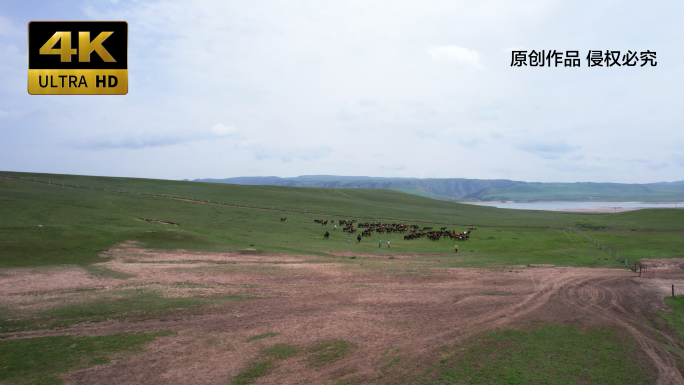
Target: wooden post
{"points": [[673, 290]]}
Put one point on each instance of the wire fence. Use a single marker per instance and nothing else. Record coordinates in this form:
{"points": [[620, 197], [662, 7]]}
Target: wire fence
{"points": [[611, 251], [645, 271]]}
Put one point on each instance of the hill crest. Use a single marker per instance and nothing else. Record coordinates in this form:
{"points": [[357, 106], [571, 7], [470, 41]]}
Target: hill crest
{"points": [[462, 189]]}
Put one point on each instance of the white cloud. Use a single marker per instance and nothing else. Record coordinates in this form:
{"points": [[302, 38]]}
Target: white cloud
{"points": [[221, 130], [286, 155], [141, 140], [547, 149], [514, 48], [453, 53], [656, 165], [343, 114], [651, 164], [470, 142], [397, 167], [367, 103], [10, 29], [679, 160]]}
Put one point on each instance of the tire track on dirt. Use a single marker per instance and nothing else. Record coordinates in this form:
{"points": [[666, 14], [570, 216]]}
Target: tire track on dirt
{"points": [[583, 294], [544, 291], [588, 292]]}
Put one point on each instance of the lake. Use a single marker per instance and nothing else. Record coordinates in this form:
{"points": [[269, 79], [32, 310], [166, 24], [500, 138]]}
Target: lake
{"points": [[583, 206]]}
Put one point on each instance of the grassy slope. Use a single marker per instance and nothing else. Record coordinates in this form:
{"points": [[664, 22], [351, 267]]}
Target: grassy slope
{"points": [[643, 244], [367, 203], [453, 189], [76, 223]]}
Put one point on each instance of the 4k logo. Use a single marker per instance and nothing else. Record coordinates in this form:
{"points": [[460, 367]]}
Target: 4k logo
{"points": [[78, 58]]}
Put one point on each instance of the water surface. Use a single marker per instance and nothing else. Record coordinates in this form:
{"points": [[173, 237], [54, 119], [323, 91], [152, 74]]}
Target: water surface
{"points": [[583, 206]]}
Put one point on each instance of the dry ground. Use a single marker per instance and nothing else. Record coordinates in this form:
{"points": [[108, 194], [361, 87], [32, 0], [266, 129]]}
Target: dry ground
{"points": [[380, 305]]}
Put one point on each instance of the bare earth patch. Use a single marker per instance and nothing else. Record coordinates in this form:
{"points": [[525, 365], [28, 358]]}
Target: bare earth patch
{"points": [[303, 301], [136, 254], [23, 280]]}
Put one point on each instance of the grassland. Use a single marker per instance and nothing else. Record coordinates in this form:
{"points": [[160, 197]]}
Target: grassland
{"points": [[552, 354], [675, 319], [266, 303], [41, 360], [72, 226], [363, 203], [642, 244], [47, 224], [455, 189]]}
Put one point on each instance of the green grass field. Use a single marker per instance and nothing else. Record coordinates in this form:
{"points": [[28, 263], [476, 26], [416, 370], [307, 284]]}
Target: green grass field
{"points": [[643, 244], [367, 203], [552, 354], [41, 360], [47, 224]]}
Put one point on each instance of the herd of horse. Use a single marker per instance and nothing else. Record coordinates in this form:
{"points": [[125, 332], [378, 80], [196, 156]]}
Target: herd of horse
{"points": [[414, 231]]}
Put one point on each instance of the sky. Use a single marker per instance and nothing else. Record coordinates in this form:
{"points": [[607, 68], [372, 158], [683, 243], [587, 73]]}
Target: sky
{"points": [[423, 89]]}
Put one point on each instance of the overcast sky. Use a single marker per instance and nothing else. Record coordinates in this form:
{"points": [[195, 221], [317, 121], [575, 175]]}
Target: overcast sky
{"points": [[380, 88]]}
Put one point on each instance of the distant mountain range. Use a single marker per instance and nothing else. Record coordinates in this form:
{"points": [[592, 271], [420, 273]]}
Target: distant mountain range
{"points": [[460, 189]]}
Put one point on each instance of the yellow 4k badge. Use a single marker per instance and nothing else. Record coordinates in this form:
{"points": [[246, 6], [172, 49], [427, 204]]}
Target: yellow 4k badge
{"points": [[78, 58]]}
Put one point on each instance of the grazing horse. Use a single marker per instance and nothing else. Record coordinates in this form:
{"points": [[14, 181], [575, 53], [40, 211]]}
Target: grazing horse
{"points": [[358, 237], [327, 234], [283, 219]]}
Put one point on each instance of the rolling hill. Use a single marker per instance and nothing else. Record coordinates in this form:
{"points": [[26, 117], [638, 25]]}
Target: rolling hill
{"points": [[460, 189]]}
